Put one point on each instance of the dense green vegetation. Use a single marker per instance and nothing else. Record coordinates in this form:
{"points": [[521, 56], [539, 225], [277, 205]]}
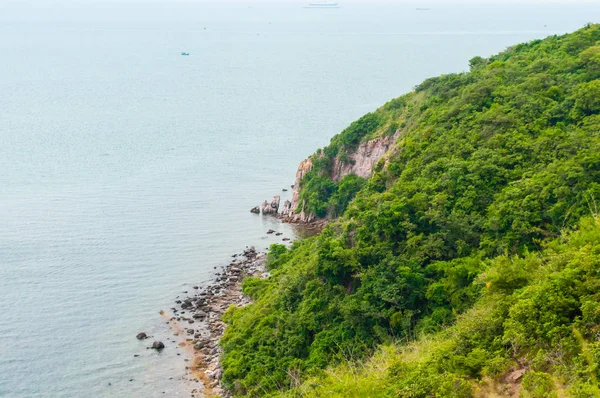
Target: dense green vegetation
{"points": [[537, 314], [322, 197], [456, 255]]}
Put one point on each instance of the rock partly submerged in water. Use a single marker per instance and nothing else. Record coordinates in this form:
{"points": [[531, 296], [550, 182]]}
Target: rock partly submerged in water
{"points": [[157, 345], [273, 207], [250, 252], [255, 210], [141, 336]]}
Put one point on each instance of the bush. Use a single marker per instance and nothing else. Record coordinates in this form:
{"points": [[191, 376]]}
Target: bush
{"points": [[276, 251], [538, 385]]}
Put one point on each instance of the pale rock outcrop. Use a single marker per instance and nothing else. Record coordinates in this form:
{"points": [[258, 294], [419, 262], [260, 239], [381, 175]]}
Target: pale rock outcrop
{"points": [[291, 216], [273, 207], [286, 208], [303, 169], [288, 212], [363, 159], [264, 205]]}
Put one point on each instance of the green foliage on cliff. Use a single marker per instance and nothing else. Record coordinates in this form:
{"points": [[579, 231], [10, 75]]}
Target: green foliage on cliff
{"points": [[321, 195], [458, 243], [353, 134]]}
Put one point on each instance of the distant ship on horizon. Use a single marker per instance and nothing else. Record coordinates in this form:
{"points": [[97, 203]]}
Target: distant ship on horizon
{"points": [[323, 4]]}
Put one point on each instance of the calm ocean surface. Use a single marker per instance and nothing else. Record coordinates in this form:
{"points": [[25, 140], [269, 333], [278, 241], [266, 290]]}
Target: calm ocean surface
{"points": [[127, 171]]}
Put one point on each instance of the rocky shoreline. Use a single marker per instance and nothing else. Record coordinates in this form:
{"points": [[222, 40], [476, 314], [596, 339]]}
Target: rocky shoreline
{"points": [[195, 321], [197, 318]]}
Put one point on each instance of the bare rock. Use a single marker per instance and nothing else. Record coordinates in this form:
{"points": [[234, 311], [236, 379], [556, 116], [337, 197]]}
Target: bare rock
{"points": [[273, 207], [286, 209], [158, 345], [200, 345], [250, 252], [514, 376], [363, 158]]}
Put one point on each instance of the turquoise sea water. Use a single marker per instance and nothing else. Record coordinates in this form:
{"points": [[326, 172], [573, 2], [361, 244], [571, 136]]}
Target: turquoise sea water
{"points": [[127, 171]]}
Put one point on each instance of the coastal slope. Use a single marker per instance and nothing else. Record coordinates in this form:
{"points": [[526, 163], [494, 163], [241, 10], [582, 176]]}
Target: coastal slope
{"points": [[464, 263]]}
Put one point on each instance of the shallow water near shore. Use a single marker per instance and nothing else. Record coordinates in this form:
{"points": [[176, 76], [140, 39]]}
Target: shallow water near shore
{"points": [[127, 171]]}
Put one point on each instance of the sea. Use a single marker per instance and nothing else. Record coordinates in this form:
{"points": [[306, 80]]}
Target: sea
{"points": [[127, 170]]}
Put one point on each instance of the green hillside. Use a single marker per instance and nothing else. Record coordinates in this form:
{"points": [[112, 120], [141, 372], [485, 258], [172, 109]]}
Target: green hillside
{"points": [[455, 268]]}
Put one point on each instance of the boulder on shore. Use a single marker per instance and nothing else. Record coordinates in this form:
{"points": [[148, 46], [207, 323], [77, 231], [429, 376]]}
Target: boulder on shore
{"points": [[199, 315], [199, 345]]}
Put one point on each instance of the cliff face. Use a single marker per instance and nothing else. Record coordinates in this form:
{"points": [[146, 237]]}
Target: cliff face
{"points": [[289, 209], [363, 159], [303, 169], [361, 163]]}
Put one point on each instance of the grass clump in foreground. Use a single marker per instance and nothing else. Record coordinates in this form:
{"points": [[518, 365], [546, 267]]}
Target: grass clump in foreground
{"points": [[456, 254]]}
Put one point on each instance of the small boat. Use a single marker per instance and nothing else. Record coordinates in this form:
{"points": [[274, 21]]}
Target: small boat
{"points": [[323, 4], [184, 53]]}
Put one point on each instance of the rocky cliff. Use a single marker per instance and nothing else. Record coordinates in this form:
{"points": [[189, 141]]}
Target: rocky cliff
{"points": [[361, 163], [363, 159], [288, 213]]}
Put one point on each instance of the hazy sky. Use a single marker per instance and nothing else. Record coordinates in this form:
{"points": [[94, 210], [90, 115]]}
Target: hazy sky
{"points": [[341, 2]]}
